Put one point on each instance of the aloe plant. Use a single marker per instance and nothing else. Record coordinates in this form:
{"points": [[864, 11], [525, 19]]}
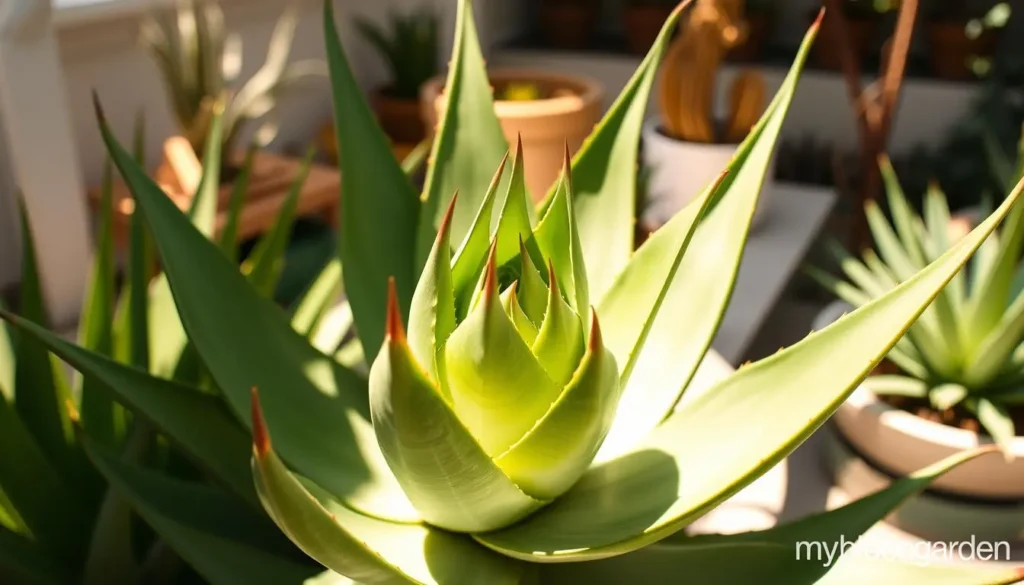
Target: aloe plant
{"points": [[201, 64], [964, 354], [526, 374], [59, 520]]}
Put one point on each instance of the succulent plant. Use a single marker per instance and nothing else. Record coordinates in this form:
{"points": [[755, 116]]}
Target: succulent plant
{"points": [[201, 63], [963, 355], [59, 520], [524, 408], [410, 49]]}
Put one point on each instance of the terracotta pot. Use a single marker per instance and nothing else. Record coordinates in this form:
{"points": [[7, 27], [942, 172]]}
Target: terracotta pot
{"points": [[400, 118], [873, 443], [951, 49], [642, 23], [568, 24], [827, 49], [546, 125], [758, 32]]}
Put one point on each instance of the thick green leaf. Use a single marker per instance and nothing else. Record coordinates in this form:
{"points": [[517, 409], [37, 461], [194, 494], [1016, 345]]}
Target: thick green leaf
{"points": [[41, 390], [100, 414], [229, 235], [553, 455], [688, 282], [947, 395], [445, 472], [895, 385], [313, 306], [226, 543], [22, 563], [51, 510], [319, 408], [515, 222], [267, 259], [432, 315], [496, 386], [469, 141], [363, 548], [195, 421], [472, 253], [379, 210], [727, 437], [997, 422], [604, 172], [560, 344], [996, 347], [531, 292], [558, 237]]}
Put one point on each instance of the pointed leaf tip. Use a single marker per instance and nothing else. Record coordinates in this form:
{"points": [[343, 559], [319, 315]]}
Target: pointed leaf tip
{"points": [[98, 107], [260, 436], [446, 221], [395, 331], [817, 21], [567, 162], [596, 341], [491, 280], [552, 279], [519, 146], [681, 7]]}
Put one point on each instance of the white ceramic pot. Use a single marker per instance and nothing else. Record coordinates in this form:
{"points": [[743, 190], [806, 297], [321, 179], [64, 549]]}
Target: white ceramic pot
{"points": [[900, 443], [680, 171]]}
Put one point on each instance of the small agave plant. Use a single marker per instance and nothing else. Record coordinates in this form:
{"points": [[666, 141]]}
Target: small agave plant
{"points": [[524, 418], [966, 352]]}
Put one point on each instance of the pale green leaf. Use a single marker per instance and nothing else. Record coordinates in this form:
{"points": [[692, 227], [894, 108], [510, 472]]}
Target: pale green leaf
{"points": [[896, 385], [469, 141], [380, 211], [558, 237], [229, 234], [996, 348], [560, 343], [691, 279], [366, 549], [727, 437], [489, 370], [442, 468], [432, 314], [604, 173], [554, 454], [314, 304], [997, 422], [946, 396], [319, 407], [471, 256]]}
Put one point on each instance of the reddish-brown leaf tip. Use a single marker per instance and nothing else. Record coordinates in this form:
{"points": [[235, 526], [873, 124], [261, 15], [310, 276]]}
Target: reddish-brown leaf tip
{"points": [[395, 331], [260, 436], [519, 147], [567, 162], [596, 341], [817, 21], [552, 279], [446, 221], [681, 7], [491, 274]]}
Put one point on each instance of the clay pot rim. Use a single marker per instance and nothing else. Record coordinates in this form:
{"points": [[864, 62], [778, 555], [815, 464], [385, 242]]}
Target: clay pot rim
{"points": [[587, 92], [908, 423]]}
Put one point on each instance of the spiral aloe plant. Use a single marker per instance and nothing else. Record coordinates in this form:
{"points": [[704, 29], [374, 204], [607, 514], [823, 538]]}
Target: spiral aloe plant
{"points": [[964, 355], [523, 419]]}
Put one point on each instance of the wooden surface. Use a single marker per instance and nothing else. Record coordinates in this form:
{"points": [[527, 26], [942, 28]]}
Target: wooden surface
{"points": [[268, 187]]}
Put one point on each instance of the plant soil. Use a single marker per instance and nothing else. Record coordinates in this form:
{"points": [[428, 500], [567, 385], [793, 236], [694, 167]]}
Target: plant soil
{"points": [[957, 417]]}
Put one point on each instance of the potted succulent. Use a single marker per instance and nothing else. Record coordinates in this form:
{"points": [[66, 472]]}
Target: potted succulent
{"points": [[642, 21], [951, 383], [959, 34], [569, 24], [545, 110], [861, 17], [687, 143], [200, 63], [290, 467], [411, 53], [760, 17]]}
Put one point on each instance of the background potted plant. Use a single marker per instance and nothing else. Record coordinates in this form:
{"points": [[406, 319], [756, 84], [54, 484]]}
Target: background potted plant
{"points": [[960, 34], [569, 24], [952, 383], [688, 143], [760, 18], [546, 110], [411, 52], [861, 18], [642, 21]]}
